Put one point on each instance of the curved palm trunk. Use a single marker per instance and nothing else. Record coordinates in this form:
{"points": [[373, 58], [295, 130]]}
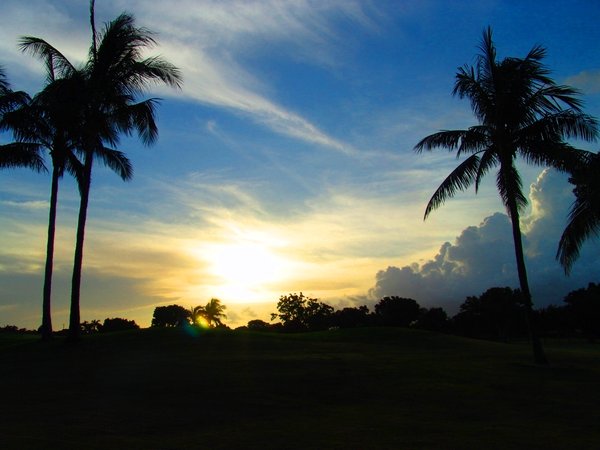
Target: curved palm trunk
{"points": [[75, 319], [539, 355], [47, 293]]}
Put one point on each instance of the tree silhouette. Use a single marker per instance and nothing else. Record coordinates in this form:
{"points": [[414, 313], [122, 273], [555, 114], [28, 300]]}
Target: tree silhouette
{"points": [[118, 324], [107, 87], [46, 121], [91, 327], [584, 304], [213, 312], [584, 216], [397, 311], [170, 316], [115, 74], [521, 112], [498, 313], [353, 317], [259, 325], [300, 313], [197, 314], [432, 319]]}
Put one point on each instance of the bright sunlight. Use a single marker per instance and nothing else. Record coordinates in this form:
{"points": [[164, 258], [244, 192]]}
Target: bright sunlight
{"points": [[246, 267]]}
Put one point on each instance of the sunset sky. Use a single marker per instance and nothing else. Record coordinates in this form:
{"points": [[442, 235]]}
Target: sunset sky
{"points": [[286, 162]]}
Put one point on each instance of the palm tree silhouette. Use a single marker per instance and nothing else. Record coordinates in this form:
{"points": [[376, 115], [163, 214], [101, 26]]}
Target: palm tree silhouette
{"points": [[214, 311], [113, 77], [51, 121], [584, 216], [103, 107], [196, 313], [46, 122], [521, 112]]}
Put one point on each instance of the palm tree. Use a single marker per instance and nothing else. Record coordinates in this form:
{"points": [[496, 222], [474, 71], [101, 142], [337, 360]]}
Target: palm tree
{"points": [[45, 122], [521, 112], [214, 311], [50, 121], [196, 313], [584, 216], [114, 76]]}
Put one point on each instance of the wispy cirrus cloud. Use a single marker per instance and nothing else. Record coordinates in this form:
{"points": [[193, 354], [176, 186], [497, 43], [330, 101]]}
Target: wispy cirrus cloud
{"points": [[31, 205], [211, 41]]}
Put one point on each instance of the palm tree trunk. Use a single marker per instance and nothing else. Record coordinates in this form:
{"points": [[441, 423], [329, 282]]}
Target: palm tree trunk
{"points": [[75, 318], [539, 355], [47, 293]]}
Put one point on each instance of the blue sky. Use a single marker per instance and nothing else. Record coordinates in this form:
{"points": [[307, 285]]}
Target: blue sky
{"points": [[285, 163]]}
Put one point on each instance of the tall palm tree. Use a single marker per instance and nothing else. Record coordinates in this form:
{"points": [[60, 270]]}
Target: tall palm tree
{"points": [[51, 121], [214, 311], [46, 121], [584, 216], [521, 112], [115, 75]]}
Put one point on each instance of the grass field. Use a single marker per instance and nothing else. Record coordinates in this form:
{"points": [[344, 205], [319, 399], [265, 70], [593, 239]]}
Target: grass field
{"points": [[345, 389]]}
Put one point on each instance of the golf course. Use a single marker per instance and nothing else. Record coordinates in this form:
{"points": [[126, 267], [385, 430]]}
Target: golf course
{"points": [[364, 388]]}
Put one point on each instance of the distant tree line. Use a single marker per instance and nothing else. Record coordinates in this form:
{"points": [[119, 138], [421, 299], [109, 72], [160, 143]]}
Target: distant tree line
{"points": [[108, 326], [497, 314]]}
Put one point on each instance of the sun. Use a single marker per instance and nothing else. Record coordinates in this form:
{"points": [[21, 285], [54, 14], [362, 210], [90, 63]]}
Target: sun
{"points": [[246, 269], [246, 264]]}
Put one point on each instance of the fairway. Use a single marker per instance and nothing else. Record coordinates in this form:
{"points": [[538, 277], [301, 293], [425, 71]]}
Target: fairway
{"points": [[380, 388]]}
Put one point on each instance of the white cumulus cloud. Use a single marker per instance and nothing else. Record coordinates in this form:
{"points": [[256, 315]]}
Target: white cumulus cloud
{"points": [[482, 256]]}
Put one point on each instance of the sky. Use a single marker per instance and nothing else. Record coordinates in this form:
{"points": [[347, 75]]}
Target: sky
{"points": [[286, 163]]}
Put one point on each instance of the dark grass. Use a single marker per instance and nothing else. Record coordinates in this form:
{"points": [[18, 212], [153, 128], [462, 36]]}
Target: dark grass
{"points": [[345, 389]]}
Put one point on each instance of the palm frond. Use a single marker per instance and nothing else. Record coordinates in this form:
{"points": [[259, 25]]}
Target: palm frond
{"points": [[468, 84], [565, 124], [476, 139], [54, 59], [583, 222], [449, 139], [4, 84], [487, 161], [559, 155], [10, 100], [553, 98], [116, 161], [20, 154], [510, 187], [159, 70], [75, 167], [486, 60], [460, 179], [139, 116]]}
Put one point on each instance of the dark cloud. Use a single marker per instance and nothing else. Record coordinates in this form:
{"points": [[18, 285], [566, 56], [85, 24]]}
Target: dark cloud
{"points": [[483, 256]]}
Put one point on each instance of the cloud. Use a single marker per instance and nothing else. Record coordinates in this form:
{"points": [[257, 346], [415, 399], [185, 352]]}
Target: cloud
{"points": [[483, 256], [34, 205], [212, 42], [588, 81], [480, 257]]}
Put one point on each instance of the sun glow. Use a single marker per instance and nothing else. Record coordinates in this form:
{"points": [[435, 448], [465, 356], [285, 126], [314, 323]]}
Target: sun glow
{"points": [[246, 268], [202, 322]]}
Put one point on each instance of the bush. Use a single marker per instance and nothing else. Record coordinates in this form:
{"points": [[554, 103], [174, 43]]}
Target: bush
{"points": [[118, 324]]}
